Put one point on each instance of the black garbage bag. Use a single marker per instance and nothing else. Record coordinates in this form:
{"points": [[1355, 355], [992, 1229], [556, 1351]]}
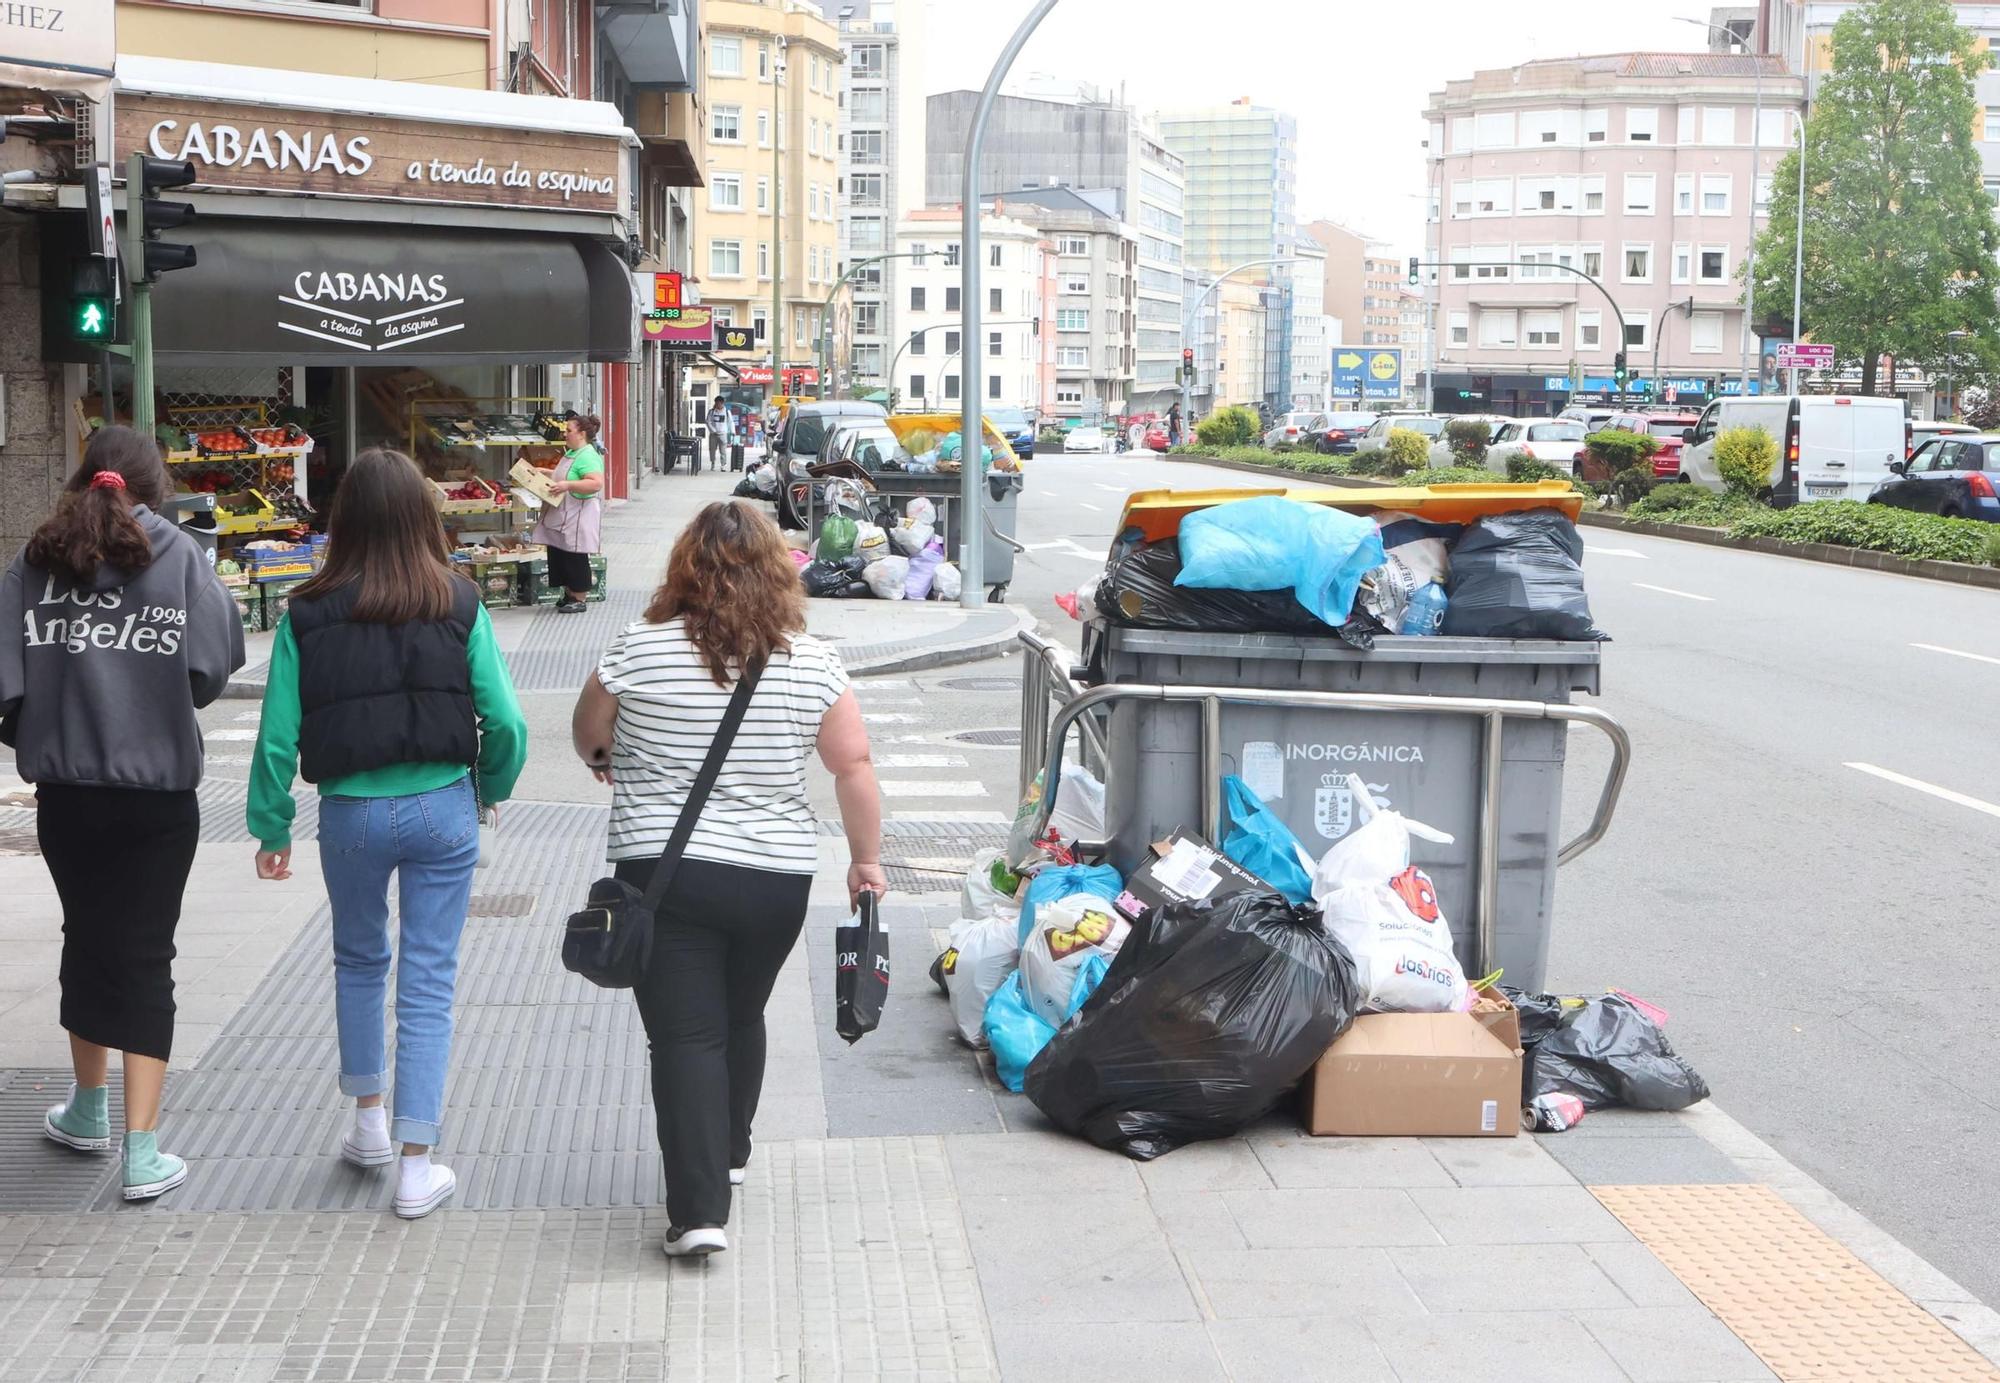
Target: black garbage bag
{"points": [[1519, 576], [1138, 592], [1540, 1014], [1608, 1053], [746, 488], [831, 578], [1208, 1017]]}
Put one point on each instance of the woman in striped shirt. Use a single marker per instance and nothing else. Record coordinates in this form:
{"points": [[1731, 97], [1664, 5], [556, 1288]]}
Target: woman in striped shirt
{"points": [[731, 601]]}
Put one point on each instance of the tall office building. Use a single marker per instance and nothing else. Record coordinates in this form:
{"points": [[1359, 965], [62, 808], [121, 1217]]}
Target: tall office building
{"points": [[1087, 145], [881, 165], [1242, 202]]}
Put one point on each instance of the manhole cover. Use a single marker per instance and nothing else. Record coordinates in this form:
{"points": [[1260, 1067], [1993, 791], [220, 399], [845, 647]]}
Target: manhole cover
{"points": [[500, 905], [1006, 734], [985, 684]]}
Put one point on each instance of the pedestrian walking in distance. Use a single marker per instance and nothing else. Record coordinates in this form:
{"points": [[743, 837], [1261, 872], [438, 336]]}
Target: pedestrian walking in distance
{"points": [[571, 528], [731, 607], [718, 435], [114, 631], [388, 692]]}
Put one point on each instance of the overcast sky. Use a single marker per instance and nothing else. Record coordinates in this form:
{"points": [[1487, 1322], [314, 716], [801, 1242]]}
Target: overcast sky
{"points": [[1356, 75]]}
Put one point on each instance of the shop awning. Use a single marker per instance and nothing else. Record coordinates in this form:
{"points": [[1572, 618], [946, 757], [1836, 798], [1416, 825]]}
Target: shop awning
{"points": [[333, 294]]}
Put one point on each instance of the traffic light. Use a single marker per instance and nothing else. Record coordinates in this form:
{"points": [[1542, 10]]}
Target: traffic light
{"points": [[1415, 262], [1187, 362], [1619, 374], [93, 301], [152, 175]]}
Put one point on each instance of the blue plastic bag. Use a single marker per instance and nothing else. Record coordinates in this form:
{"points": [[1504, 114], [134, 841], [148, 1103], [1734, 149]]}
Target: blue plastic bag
{"points": [[1263, 844], [1016, 1033], [1060, 880], [1271, 543]]}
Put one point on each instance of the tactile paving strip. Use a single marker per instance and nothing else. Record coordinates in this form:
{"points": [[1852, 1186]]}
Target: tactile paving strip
{"points": [[1806, 1306], [222, 820], [560, 651]]}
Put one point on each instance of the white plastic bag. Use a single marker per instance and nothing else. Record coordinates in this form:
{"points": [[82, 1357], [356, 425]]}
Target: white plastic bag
{"points": [[1417, 556], [920, 511], [984, 952], [910, 539], [1385, 911], [887, 577], [1078, 814], [983, 894], [871, 544], [946, 585], [1068, 932]]}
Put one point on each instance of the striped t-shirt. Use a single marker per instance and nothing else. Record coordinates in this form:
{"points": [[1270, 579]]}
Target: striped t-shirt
{"points": [[669, 709]]}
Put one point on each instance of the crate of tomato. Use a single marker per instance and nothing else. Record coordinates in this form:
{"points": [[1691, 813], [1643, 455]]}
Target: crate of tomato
{"points": [[466, 493]]}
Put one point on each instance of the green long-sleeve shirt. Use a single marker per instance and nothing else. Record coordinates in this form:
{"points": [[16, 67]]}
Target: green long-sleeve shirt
{"points": [[503, 741]]}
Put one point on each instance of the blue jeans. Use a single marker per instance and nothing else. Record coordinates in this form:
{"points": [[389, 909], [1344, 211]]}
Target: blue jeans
{"points": [[430, 841]]}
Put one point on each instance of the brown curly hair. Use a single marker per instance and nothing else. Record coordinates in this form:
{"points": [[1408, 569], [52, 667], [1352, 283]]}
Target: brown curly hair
{"points": [[734, 583]]}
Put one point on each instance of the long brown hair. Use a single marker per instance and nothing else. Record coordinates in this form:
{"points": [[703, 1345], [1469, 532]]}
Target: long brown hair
{"points": [[731, 579], [385, 537], [93, 524]]}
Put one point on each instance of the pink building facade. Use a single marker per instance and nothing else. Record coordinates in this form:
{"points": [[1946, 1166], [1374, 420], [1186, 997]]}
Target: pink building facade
{"points": [[1636, 169]]}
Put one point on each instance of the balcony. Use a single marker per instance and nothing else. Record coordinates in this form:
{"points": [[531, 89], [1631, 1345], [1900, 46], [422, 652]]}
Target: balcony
{"points": [[654, 41]]}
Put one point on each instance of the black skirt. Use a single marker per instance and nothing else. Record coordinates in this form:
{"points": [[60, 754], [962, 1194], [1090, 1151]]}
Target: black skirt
{"points": [[120, 859], [569, 571]]}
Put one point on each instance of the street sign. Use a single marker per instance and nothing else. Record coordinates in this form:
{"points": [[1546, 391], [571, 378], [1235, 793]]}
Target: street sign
{"points": [[1800, 355], [1670, 395], [666, 306], [1385, 374], [1347, 363], [1367, 372], [103, 225]]}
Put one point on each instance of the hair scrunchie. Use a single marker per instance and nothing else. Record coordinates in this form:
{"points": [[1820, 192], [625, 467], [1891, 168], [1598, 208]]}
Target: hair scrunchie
{"points": [[107, 480]]}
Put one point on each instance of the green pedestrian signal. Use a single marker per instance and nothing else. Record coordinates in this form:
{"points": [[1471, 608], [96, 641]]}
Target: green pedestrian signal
{"points": [[93, 320], [93, 310]]}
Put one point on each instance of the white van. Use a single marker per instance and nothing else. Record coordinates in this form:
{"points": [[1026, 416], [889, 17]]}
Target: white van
{"points": [[1830, 446]]}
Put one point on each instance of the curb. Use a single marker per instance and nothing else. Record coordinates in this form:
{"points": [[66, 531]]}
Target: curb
{"points": [[973, 650], [1953, 573]]}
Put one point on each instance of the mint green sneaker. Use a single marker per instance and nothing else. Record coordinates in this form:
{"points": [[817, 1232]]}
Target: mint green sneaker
{"points": [[148, 1171], [83, 1121]]}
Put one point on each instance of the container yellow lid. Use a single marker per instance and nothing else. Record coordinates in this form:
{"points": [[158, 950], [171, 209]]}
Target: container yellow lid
{"points": [[1158, 513], [923, 431]]}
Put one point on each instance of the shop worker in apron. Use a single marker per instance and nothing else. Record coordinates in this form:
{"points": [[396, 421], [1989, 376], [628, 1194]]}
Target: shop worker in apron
{"points": [[387, 689], [113, 631], [571, 528]]}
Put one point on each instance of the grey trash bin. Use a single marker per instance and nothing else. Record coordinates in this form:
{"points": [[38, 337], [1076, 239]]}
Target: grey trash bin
{"points": [[1425, 765], [196, 516]]}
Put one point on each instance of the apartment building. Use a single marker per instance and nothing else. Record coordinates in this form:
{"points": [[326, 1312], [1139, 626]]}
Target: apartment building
{"points": [[1312, 342], [881, 175], [1015, 366], [1095, 273], [769, 227], [1638, 170], [1079, 138]]}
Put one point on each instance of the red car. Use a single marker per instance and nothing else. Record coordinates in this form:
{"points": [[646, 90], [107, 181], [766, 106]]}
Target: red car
{"points": [[1666, 428]]}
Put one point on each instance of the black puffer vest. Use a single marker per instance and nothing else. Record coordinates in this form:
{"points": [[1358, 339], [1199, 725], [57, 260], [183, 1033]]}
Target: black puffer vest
{"points": [[372, 695]]}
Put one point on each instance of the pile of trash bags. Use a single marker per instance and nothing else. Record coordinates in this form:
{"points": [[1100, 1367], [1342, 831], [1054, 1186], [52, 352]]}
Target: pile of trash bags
{"points": [[1585, 1054], [856, 559], [759, 482], [1274, 565]]}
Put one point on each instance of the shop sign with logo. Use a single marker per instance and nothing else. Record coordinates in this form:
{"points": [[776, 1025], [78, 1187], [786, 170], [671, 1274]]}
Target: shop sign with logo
{"points": [[63, 45], [691, 329], [267, 149], [735, 339], [666, 305]]}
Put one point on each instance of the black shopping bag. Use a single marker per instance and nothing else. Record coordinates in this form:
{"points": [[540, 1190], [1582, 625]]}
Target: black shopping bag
{"points": [[861, 971]]}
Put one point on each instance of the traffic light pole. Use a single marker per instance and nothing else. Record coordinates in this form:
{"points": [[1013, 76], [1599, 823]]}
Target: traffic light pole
{"points": [[1192, 314], [141, 295], [1616, 312]]}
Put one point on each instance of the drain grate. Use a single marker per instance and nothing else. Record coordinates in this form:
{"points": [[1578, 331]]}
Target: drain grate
{"points": [[500, 904], [982, 684], [1006, 734]]}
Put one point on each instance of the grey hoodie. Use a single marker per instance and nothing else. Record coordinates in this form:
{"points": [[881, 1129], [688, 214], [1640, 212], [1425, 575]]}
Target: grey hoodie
{"points": [[100, 680]]}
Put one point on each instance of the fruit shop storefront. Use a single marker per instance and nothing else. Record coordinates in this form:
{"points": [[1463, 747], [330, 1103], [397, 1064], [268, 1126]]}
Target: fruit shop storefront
{"points": [[444, 274]]}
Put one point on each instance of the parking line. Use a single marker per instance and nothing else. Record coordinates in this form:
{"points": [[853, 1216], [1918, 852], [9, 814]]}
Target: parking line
{"points": [[1956, 653], [1668, 590], [1919, 785]]}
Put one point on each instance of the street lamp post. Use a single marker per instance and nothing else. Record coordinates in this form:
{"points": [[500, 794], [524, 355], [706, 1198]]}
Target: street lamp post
{"points": [[825, 342], [777, 332], [1190, 312], [1750, 219], [971, 434], [1798, 254], [895, 359]]}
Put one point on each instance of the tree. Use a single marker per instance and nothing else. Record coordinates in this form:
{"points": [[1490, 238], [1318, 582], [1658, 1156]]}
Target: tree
{"points": [[1899, 232]]}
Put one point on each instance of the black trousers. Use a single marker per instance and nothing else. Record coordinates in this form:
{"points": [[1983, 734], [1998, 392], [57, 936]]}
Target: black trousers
{"points": [[120, 859], [721, 937], [569, 571]]}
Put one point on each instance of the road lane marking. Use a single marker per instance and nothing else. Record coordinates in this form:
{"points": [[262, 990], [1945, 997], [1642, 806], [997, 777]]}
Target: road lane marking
{"points": [[1597, 551], [1115, 489], [1093, 508], [1669, 590], [955, 818], [919, 761], [250, 715], [933, 787], [241, 736], [1932, 789], [888, 718], [1956, 653]]}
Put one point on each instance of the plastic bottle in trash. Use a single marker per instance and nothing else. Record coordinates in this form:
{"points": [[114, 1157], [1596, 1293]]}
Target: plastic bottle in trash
{"points": [[1425, 614]]}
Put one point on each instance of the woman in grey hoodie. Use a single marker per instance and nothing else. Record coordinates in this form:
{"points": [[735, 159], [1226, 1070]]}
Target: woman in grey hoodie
{"points": [[113, 631]]}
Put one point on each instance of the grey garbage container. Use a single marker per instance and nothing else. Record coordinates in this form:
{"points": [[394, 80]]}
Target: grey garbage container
{"points": [[1425, 765]]}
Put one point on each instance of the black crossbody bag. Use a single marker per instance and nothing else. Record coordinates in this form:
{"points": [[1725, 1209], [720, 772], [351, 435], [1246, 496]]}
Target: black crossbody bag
{"points": [[610, 941]]}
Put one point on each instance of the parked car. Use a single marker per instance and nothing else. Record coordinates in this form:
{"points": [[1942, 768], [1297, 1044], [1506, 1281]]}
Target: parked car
{"points": [[1296, 428], [1922, 430], [1830, 446], [1666, 428], [1018, 425], [1957, 475], [1552, 441], [1156, 437], [806, 425], [1591, 417], [1430, 425], [1440, 452], [867, 442], [1341, 433], [1085, 438]]}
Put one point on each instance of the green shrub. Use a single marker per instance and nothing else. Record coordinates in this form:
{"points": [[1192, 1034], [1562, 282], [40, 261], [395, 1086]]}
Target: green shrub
{"points": [[1408, 450], [1367, 461], [1527, 472], [1284, 446], [1993, 548], [1621, 450], [1633, 484], [1692, 505], [1456, 475], [1468, 438], [1049, 437], [1234, 426], [1745, 458], [1875, 527]]}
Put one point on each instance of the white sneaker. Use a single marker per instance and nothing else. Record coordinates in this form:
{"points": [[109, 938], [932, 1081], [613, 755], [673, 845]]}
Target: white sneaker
{"points": [[694, 1241], [365, 1147], [418, 1195], [736, 1175]]}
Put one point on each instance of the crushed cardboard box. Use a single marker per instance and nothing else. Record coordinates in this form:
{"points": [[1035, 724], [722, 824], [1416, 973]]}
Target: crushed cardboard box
{"points": [[1421, 1075], [1182, 869]]}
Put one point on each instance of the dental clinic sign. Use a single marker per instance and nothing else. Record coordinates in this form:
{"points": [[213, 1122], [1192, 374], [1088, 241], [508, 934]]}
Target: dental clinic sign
{"points": [[266, 149]]}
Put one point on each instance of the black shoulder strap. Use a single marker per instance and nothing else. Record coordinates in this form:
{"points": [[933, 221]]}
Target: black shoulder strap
{"points": [[704, 783]]}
